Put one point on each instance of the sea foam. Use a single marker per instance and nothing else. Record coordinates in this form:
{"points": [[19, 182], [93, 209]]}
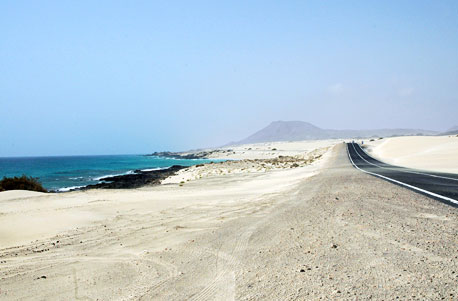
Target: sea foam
{"points": [[115, 175]]}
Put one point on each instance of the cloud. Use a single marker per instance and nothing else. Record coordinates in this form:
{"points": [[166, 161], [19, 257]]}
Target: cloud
{"points": [[406, 92], [336, 89]]}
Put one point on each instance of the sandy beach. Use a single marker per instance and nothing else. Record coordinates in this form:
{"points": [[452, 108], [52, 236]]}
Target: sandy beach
{"points": [[40, 215], [286, 220]]}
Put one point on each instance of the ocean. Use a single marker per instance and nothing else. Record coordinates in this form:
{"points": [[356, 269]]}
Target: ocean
{"points": [[70, 172]]}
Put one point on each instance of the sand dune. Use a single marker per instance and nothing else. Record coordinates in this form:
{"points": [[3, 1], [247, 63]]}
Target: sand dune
{"points": [[434, 153], [27, 216]]}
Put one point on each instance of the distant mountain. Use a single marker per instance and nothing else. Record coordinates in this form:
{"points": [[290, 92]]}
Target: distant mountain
{"points": [[300, 130], [451, 131]]}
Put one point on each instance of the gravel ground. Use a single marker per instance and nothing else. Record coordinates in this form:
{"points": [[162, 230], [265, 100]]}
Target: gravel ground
{"points": [[340, 235]]}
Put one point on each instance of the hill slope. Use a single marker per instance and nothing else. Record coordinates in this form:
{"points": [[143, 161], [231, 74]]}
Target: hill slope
{"points": [[300, 130], [451, 131]]}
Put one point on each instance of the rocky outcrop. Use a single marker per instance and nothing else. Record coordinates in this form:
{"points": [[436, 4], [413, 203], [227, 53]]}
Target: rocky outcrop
{"points": [[198, 155], [138, 179]]}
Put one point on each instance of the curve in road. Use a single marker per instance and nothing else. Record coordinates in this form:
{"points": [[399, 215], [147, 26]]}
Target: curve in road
{"points": [[441, 186]]}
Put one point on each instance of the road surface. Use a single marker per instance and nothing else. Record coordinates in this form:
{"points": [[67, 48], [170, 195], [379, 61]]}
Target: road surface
{"points": [[441, 186]]}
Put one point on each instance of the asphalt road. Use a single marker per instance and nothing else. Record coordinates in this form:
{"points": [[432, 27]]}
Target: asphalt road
{"points": [[441, 186]]}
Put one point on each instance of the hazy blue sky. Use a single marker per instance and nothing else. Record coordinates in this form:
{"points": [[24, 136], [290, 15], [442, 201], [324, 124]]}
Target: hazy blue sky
{"points": [[106, 77]]}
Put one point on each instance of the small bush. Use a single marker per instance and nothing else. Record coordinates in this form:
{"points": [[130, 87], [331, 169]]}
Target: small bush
{"points": [[21, 183]]}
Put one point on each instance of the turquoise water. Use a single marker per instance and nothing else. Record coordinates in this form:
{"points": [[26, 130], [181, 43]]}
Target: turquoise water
{"points": [[63, 173]]}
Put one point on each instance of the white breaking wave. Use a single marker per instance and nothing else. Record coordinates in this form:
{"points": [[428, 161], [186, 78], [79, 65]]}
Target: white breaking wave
{"points": [[152, 169], [181, 159], [69, 188], [106, 176]]}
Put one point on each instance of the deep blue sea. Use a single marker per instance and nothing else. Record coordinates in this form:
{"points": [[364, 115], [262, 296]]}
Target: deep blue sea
{"points": [[64, 173]]}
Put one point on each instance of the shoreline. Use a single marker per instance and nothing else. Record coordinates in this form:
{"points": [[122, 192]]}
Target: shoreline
{"points": [[312, 225], [137, 179], [211, 183], [299, 208], [62, 174]]}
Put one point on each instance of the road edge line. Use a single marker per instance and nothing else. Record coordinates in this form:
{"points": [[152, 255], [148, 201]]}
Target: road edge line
{"points": [[455, 202], [405, 171]]}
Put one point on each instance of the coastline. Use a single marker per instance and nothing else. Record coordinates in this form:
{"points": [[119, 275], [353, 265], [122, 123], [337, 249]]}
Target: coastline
{"points": [[299, 208], [272, 155], [64, 173], [79, 207], [137, 179]]}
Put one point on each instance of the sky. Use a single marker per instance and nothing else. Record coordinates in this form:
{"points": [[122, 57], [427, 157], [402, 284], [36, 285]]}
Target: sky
{"points": [[122, 77]]}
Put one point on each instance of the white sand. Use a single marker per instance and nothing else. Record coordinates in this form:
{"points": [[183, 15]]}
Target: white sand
{"points": [[268, 230], [27, 216], [269, 149], [435, 153]]}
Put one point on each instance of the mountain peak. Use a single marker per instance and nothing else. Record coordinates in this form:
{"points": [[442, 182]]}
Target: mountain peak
{"points": [[293, 123], [300, 130], [283, 131]]}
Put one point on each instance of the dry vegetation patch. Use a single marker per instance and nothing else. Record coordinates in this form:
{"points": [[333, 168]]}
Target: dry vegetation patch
{"points": [[245, 166], [21, 183]]}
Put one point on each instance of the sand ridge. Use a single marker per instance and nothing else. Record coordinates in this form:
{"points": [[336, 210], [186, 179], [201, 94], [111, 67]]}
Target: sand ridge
{"points": [[433, 153]]}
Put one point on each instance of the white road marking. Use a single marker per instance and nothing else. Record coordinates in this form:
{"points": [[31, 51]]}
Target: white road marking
{"points": [[406, 171], [401, 183]]}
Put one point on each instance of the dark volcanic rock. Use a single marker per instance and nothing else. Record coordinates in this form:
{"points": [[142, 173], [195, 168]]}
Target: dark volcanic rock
{"points": [[138, 179], [199, 155]]}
